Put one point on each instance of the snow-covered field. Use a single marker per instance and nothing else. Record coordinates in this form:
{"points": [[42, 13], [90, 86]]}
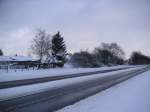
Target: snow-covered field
{"points": [[4, 76], [132, 95], [35, 88]]}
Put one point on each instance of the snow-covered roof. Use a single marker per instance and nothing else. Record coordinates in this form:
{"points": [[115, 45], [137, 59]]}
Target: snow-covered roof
{"points": [[15, 58]]}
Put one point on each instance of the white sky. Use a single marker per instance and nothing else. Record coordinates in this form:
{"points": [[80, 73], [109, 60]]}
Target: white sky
{"points": [[83, 23]]}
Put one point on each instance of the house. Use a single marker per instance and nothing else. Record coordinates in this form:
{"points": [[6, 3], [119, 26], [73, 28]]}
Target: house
{"points": [[19, 61]]}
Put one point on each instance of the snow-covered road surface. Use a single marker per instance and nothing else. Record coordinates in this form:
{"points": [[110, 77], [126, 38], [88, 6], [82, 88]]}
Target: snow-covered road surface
{"points": [[132, 95], [34, 88], [55, 95], [22, 82], [19, 75]]}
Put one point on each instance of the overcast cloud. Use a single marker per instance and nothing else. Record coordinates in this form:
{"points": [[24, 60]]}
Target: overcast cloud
{"points": [[83, 23]]}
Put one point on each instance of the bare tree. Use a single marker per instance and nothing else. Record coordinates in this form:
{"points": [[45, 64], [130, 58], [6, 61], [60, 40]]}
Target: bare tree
{"points": [[83, 59], [103, 56], [115, 49], [41, 44], [108, 54]]}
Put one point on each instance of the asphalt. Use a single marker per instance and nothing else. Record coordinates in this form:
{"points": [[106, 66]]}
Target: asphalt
{"points": [[57, 98]]}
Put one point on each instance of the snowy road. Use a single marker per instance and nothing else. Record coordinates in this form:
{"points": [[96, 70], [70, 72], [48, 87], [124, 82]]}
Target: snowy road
{"points": [[13, 75], [66, 94], [132, 95], [14, 83]]}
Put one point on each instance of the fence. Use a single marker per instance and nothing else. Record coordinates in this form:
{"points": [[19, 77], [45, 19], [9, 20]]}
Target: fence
{"points": [[22, 67], [15, 68]]}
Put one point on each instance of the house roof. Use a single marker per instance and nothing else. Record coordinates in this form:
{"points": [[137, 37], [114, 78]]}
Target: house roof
{"points": [[15, 58]]}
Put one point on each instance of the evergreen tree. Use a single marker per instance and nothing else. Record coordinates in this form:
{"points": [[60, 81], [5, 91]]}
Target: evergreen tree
{"points": [[1, 53], [58, 49]]}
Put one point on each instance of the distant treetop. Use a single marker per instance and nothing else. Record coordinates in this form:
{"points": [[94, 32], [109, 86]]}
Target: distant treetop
{"points": [[1, 53]]}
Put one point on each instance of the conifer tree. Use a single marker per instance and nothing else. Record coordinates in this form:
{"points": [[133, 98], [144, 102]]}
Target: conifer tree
{"points": [[1, 52], [58, 49]]}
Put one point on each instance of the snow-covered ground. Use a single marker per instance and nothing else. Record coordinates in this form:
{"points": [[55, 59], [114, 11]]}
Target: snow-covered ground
{"points": [[4, 76], [35, 88], [132, 95]]}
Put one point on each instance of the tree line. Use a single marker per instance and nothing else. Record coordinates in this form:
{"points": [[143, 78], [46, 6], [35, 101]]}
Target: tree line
{"points": [[139, 58], [107, 54], [51, 49]]}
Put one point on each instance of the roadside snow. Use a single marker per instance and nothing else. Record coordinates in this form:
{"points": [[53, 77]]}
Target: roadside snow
{"points": [[10, 76], [35, 88], [132, 95]]}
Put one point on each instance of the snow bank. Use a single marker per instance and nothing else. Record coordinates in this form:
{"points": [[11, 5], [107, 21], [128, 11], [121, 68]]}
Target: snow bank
{"points": [[132, 95]]}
